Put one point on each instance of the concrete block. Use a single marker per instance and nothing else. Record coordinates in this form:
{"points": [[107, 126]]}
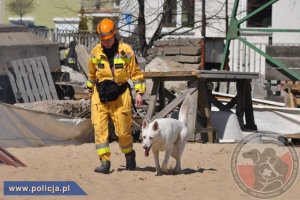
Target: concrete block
{"points": [[156, 51], [160, 43], [188, 59], [189, 42], [171, 58], [171, 51], [191, 66], [190, 50], [18, 44]]}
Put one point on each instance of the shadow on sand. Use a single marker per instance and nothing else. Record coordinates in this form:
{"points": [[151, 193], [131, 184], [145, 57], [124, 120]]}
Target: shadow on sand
{"points": [[183, 171]]}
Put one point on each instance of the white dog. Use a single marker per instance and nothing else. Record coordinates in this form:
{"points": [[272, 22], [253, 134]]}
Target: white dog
{"points": [[169, 135]]}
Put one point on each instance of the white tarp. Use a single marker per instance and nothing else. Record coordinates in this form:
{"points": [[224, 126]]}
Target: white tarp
{"points": [[267, 118], [20, 127], [280, 120]]}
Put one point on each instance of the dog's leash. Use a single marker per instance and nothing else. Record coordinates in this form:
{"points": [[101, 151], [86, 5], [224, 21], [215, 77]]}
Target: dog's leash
{"points": [[140, 111]]}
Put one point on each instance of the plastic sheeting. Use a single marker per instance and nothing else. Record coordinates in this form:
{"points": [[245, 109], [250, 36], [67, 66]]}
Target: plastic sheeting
{"points": [[20, 127], [280, 120]]}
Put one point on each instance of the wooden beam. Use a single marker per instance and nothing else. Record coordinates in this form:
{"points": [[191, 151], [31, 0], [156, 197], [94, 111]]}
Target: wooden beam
{"points": [[170, 107], [19, 81], [26, 81], [33, 84], [38, 79], [169, 95], [43, 78], [152, 100], [49, 77]]}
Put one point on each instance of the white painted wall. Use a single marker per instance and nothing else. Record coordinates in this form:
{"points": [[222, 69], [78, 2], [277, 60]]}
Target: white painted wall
{"points": [[68, 24], [286, 14]]}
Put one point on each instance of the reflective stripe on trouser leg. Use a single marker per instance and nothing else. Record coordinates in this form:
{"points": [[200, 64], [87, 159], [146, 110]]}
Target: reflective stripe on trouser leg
{"points": [[122, 119], [99, 119], [103, 151], [126, 149]]}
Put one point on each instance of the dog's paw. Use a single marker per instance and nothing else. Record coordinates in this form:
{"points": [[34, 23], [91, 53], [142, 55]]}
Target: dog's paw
{"points": [[165, 171], [158, 172]]}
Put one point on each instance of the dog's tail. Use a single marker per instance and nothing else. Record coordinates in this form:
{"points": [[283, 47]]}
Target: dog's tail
{"points": [[184, 109]]}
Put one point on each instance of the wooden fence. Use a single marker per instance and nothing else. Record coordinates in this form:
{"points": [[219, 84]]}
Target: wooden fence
{"points": [[86, 38]]}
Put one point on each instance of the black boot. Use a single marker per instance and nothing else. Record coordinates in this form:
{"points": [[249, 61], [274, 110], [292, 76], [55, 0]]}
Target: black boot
{"points": [[130, 161], [104, 167]]}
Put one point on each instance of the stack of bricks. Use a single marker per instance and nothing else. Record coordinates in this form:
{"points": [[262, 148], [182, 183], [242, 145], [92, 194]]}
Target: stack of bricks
{"points": [[184, 51]]}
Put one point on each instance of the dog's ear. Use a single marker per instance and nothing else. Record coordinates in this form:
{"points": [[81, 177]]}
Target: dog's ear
{"points": [[155, 126], [145, 123]]}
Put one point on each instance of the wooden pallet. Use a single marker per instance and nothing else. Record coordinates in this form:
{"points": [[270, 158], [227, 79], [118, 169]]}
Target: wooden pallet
{"points": [[9, 159], [31, 80]]}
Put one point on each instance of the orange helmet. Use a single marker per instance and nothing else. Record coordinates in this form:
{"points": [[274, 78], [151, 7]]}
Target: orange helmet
{"points": [[106, 29]]}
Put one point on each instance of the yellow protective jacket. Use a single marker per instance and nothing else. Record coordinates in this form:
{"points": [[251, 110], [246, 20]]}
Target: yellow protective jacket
{"points": [[125, 67]]}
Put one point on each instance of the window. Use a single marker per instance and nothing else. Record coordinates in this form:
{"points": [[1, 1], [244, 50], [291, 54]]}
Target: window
{"points": [[261, 19], [188, 13], [171, 13], [179, 13]]}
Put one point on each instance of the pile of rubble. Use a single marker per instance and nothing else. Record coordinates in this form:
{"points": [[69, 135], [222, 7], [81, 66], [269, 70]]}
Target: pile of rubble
{"points": [[70, 108]]}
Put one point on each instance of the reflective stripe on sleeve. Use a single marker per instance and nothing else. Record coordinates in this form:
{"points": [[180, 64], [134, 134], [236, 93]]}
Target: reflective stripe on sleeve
{"points": [[90, 84], [140, 86]]}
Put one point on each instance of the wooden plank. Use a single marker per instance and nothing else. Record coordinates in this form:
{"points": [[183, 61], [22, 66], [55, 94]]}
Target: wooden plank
{"points": [[14, 87], [170, 107], [152, 99], [207, 74], [192, 115], [26, 81], [169, 95], [49, 77], [82, 57], [212, 99], [168, 74], [293, 135], [43, 78], [10, 159], [283, 51], [37, 77], [274, 74], [204, 109], [19, 81], [32, 80], [162, 101], [249, 116], [240, 106]]}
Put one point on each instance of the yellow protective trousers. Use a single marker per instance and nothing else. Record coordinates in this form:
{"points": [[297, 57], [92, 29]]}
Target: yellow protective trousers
{"points": [[120, 112]]}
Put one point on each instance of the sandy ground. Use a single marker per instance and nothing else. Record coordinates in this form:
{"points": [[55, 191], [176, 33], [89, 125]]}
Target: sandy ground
{"points": [[206, 174]]}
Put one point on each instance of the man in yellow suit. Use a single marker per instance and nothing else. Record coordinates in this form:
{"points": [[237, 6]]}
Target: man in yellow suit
{"points": [[112, 63]]}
